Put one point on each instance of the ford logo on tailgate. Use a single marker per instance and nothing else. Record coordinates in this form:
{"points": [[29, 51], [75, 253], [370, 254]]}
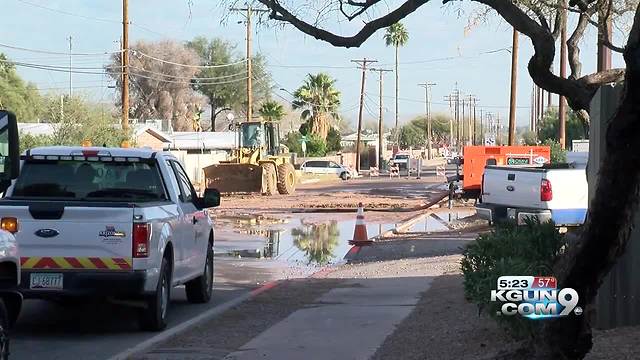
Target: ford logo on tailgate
{"points": [[47, 233]]}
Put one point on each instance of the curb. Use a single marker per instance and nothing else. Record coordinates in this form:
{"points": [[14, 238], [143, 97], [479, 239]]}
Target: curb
{"points": [[186, 325]]}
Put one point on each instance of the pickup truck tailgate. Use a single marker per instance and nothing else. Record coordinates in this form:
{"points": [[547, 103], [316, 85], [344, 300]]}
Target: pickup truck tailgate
{"points": [[63, 235], [516, 187]]}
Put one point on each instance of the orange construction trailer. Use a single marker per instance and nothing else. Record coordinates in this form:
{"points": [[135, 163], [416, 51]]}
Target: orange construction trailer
{"points": [[475, 158]]}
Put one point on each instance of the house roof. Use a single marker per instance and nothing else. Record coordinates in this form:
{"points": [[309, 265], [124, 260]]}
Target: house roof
{"points": [[363, 137], [190, 140], [139, 129]]}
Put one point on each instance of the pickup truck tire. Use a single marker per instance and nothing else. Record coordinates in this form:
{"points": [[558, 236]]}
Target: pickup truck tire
{"points": [[286, 179], [269, 173], [199, 289], [4, 331], [154, 316]]}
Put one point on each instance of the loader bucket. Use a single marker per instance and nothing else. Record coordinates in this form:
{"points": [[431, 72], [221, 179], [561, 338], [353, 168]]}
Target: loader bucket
{"points": [[234, 178]]}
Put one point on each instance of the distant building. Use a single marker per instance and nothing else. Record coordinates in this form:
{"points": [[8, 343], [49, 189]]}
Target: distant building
{"points": [[366, 139], [202, 142]]}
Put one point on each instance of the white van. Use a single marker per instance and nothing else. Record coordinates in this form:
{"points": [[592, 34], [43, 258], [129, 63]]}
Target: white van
{"points": [[326, 167]]}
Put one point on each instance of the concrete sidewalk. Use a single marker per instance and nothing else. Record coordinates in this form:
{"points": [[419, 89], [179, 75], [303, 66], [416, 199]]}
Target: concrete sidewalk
{"points": [[349, 322]]}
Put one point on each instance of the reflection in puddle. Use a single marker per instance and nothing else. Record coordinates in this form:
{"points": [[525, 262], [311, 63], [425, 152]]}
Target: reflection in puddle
{"points": [[298, 241]]}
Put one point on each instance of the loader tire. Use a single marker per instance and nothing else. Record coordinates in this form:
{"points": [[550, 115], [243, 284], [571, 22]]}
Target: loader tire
{"points": [[269, 173], [286, 179]]}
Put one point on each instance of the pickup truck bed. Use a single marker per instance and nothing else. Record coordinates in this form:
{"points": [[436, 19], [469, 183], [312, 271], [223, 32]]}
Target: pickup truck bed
{"points": [[557, 193]]}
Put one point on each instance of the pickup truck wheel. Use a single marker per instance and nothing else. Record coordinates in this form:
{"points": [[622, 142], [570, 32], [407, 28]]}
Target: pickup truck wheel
{"points": [[199, 290], [344, 176], [154, 316], [4, 332]]}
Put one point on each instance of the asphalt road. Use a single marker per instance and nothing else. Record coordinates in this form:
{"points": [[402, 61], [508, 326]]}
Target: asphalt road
{"points": [[48, 330]]}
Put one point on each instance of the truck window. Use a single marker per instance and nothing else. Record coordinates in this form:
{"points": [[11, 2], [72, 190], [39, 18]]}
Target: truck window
{"points": [[89, 180], [186, 189]]}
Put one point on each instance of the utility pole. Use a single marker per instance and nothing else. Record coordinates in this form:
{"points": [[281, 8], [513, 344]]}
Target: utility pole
{"points": [[427, 105], [363, 65], [457, 110], [470, 120], [464, 120], [380, 120], [475, 142], [482, 141], [499, 134], [125, 65], [604, 34], [248, 16], [449, 98], [562, 105], [514, 88], [70, 38]]}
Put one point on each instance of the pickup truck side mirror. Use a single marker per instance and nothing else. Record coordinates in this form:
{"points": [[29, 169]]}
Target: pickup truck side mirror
{"points": [[9, 149], [211, 198]]}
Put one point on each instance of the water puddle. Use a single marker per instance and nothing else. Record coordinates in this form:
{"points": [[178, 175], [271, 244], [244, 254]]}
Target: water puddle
{"points": [[296, 240], [440, 221]]}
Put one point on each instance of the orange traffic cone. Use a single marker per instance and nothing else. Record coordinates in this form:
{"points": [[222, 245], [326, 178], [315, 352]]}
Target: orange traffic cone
{"points": [[360, 232]]}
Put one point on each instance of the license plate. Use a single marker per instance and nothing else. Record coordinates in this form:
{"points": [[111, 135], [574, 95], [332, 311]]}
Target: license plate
{"points": [[46, 281]]}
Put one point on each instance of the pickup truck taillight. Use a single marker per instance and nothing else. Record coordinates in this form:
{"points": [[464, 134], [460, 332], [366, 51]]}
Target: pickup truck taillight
{"points": [[141, 235], [545, 190]]}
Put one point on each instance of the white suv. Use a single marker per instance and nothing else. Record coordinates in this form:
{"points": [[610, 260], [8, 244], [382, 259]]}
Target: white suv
{"points": [[326, 167]]}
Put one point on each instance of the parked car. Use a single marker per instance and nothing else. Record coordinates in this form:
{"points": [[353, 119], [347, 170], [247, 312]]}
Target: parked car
{"points": [[552, 192], [401, 159], [327, 167], [111, 223]]}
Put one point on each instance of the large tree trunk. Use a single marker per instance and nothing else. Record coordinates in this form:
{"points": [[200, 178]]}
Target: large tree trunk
{"points": [[610, 217]]}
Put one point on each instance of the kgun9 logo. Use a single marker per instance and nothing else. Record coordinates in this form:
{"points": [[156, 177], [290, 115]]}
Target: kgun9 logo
{"points": [[534, 297]]}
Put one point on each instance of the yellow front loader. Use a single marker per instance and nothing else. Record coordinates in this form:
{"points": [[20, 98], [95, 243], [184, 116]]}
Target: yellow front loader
{"points": [[256, 166]]}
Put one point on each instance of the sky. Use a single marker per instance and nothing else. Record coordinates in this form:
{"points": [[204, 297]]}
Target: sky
{"points": [[441, 50]]}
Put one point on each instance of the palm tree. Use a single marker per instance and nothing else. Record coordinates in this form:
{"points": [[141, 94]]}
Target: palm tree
{"points": [[272, 111], [318, 241], [320, 100], [397, 36]]}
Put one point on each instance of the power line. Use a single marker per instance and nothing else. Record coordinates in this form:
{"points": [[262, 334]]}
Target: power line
{"points": [[55, 69], [138, 52], [69, 13], [57, 53], [182, 82], [189, 78]]}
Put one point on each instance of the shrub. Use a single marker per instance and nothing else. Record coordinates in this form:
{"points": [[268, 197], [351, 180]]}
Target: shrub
{"points": [[529, 249], [558, 155]]}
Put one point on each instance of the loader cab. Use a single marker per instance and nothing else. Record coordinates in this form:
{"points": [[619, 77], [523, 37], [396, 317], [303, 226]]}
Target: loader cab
{"points": [[256, 134]]}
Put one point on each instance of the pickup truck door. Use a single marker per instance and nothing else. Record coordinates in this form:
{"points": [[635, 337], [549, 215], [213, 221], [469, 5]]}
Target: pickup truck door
{"points": [[193, 239]]}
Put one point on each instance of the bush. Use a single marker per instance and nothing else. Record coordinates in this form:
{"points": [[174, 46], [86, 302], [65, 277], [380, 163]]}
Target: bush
{"points": [[558, 155], [529, 250]]}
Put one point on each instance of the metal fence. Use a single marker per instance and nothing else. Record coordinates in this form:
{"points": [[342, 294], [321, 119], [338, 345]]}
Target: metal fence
{"points": [[618, 301]]}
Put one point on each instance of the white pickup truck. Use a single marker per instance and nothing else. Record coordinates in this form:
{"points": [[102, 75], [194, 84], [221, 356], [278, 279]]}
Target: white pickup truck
{"points": [[111, 223], [551, 192]]}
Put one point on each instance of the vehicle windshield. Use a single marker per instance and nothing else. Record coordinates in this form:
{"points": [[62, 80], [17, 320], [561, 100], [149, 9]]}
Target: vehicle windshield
{"points": [[252, 135], [89, 181]]}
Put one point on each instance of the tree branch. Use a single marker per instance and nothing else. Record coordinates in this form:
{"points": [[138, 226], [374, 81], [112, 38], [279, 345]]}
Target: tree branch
{"points": [[573, 48], [364, 6], [557, 26], [278, 12], [603, 77]]}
